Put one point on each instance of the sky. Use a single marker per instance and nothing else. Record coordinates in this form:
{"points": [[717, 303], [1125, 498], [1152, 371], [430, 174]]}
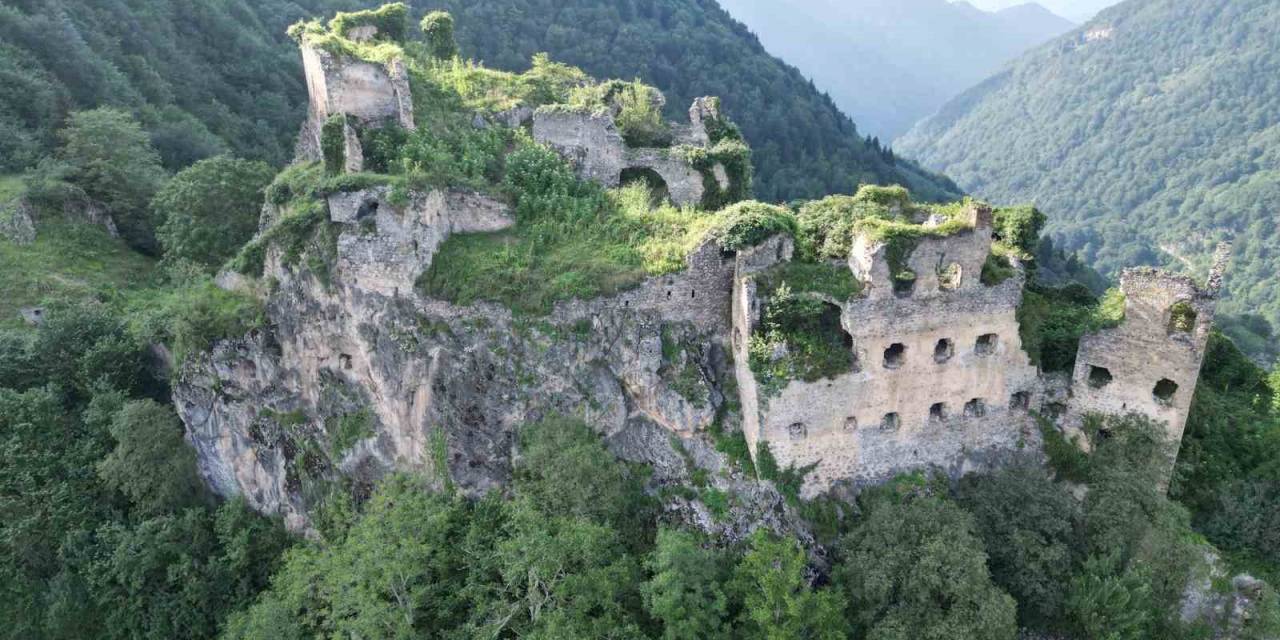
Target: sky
{"points": [[1076, 10]]}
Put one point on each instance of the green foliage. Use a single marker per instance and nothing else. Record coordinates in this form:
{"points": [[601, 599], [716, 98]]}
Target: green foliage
{"points": [[996, 270], [916, 569], [1019, 228], [734, 157], [566, 471], [110, 157], [748, 224], [191, 318], [437, 26], [211, 209], [1182, 317], [346, 430], [825, 278], [686, 592], [800, 338], [639, 116], [67, 264], [777, 601], [1051, 322], [391, 21], [151, 463], [333, 144], [1109, 604], [1183, 73], [1065, 457], [1030, 527]]}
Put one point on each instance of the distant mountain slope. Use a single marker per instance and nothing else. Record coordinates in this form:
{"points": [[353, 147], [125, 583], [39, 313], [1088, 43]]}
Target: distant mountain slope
{"points": [[803, 145], [1147, 136], [889, 63]]}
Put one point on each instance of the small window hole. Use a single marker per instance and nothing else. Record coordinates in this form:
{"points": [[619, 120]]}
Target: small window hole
{"points": [[938, 412], [944, 350], [890, 422], [895, 356], [1164, 392], [797, 431], [975, 408], [1099, 377], [986, 344], [1020, 401]]}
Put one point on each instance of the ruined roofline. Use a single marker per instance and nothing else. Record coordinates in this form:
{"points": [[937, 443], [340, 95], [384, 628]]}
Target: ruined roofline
{"points": [[1134, 279]]}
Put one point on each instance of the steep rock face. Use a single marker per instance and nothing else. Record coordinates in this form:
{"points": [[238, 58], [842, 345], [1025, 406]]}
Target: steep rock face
{"points": [[363, 377]]}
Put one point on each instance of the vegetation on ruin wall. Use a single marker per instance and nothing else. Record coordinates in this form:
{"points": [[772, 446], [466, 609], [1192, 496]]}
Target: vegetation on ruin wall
{"points": [[1052, 321], [800, 338]]}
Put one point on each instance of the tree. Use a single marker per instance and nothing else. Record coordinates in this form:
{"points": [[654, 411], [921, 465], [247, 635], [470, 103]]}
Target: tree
{"points": [[1107, 603], [437, 26], [151, 464], [916, 570], [777, 601], [112, 160], [686, 592], [210, 209], [1030, 527]]}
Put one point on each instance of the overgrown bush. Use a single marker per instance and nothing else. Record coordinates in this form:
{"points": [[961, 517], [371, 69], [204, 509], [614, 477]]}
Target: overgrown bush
{"points": [[391, 21], [333, 144], [747, 224], [800, 338], [211, 209], [437, 26]]}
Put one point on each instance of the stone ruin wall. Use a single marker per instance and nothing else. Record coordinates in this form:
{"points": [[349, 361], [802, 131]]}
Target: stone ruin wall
{"points": [[373, 94], [592, 143], [1147, 364], [956, 398]]}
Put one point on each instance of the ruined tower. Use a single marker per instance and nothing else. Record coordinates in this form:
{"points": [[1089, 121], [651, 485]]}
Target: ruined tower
{"points": [[1150, 363]]}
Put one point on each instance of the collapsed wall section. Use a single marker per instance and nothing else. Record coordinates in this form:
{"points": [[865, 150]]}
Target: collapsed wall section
{"points": [[595, 147]]}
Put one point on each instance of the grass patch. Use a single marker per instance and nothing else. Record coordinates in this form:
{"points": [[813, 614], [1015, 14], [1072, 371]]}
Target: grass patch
{"points": [[1065, 458], [996, 270], [11, 186], [829, 279], [67, 263], [191, 317], [345, 431], [572, 239]]}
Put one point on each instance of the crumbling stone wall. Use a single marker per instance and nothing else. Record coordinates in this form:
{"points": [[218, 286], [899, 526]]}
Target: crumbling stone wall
{"points": [[593, 144], [940, 380], [1150, 364], [373, 94]]}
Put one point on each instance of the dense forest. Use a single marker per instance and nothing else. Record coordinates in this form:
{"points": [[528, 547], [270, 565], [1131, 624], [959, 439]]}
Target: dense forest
{"points": [[210, 78], [1146, 136], [106, 530]]}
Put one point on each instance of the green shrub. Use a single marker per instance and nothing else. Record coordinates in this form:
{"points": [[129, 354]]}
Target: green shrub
{"points": [[734, 156], [639, 116], [996, 270], [831, 279], [1051, 322], [391, 20], [747, 224], [437, 26], [1019, 228], [211, 209], [346, 430]]}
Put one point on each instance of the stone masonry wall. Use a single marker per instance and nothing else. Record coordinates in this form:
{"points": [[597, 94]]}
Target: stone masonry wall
{"points": [[374, 94], [593, 144], [956, 398], [1146, 365]]}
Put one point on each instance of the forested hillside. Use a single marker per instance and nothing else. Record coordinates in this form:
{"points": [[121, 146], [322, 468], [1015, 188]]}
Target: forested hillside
{"points": [[204, 78], [1147, 136], [889, 63], [802, 144], [207, 78]]}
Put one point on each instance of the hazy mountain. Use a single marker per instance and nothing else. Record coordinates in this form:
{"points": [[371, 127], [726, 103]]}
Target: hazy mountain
{"points": [[1147, 136], [1078, 10], [889, 63]]}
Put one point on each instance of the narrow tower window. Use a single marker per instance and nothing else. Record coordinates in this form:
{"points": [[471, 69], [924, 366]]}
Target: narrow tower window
{"points": [[975, 408], [938, 412], [891, 422]]}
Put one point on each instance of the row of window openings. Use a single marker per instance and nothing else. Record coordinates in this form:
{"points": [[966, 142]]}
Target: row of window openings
{"points": [[975, 408], [1163, 392], [896, 355]]}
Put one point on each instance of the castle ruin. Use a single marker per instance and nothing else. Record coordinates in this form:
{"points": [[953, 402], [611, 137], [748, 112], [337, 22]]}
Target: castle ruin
{"points": [[938, 376]]}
